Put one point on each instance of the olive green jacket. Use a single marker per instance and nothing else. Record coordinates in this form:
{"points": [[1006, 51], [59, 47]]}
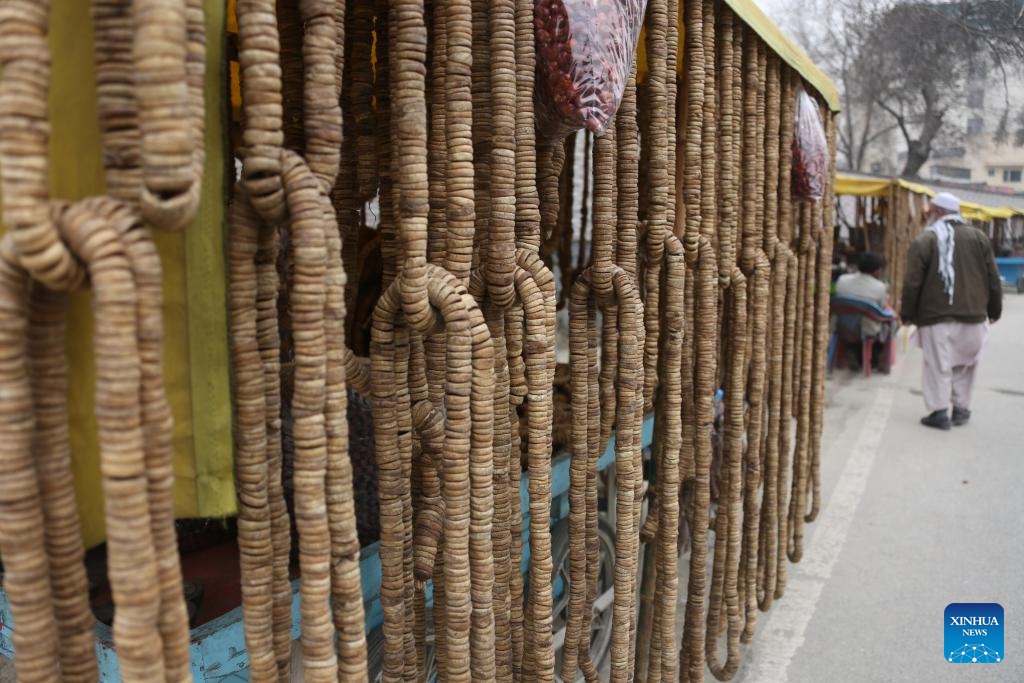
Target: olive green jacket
{"points": [[978, 291]]}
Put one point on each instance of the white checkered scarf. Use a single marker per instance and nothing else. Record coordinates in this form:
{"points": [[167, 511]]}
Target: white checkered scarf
{"points": [[944, 230]]}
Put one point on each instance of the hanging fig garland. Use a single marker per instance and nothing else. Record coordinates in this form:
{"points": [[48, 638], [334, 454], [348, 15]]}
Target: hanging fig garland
{"points": [[280, 188], [49, 251], [432, 119]]}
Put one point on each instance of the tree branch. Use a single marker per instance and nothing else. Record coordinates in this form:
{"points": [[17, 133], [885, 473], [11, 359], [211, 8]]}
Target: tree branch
{"points": [[900, 120], [880, 134]]}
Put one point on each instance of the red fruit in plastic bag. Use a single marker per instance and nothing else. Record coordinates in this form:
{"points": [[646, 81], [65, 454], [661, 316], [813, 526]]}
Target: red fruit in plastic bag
{"points": [[585, 51], [810, 149]]}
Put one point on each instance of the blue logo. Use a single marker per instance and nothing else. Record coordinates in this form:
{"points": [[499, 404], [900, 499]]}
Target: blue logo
{"points": [[974, 633]]}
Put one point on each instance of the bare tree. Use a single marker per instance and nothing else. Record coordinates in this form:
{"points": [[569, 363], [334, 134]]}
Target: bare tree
{"points": [[903, 65], [863, 123], [834, 36], [920, 57]]}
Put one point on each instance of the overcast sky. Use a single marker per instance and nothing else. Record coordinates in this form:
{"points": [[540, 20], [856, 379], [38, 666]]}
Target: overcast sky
{"points": [[773, 8]]}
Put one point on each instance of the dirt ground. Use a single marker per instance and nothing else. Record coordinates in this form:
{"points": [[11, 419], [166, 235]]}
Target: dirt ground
{"points": [[6, 670]]}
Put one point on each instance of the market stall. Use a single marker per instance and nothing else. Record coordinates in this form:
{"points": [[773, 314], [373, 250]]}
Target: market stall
{"points": [[884, 215], [321, 277]]}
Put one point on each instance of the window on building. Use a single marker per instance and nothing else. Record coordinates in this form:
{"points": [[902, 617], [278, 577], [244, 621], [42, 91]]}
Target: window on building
{"points": [[991, 173], [949, 153], [976, 98], [1011, 175], [953, 172], [975, 125]]}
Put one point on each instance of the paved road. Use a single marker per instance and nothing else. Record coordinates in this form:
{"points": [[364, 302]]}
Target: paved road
{"points": [[915, 519]]}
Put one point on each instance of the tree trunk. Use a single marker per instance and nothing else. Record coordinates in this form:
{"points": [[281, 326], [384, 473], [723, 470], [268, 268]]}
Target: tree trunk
{"points": [[917, 155]]}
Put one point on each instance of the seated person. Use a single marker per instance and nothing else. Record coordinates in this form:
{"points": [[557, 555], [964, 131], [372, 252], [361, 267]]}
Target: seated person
{"points": [[866, 285]]}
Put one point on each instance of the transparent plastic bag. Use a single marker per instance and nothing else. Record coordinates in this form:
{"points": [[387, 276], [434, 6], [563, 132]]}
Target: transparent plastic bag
{"points": [[810, 150], [585, 50]]}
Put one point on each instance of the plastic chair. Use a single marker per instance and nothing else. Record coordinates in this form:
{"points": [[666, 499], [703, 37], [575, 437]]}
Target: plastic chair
{"points": [[848, 312]]}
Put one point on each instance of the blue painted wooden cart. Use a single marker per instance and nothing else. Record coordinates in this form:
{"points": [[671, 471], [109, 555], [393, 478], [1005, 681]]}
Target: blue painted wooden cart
{"points": [[1011, 270], [218, 646]]}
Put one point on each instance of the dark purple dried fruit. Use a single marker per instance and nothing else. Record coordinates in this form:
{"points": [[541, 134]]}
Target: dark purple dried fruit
{"points": [[810, 150], [585, 51]]}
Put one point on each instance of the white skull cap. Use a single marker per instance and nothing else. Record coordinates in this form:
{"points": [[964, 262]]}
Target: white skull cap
{"points": [[947, 202]]}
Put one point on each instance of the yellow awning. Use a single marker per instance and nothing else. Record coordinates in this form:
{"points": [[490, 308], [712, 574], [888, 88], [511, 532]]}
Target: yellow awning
{"points": [[858, 186], [1001, 212], [915, 187], [980, 212], [861, 187], [973, 212]]}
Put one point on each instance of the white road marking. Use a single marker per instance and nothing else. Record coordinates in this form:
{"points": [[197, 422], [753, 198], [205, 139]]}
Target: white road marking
{"points": [[786, 626]]}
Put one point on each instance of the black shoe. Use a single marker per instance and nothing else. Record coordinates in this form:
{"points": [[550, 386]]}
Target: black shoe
{"points": [[961, 416], [939, 420]]}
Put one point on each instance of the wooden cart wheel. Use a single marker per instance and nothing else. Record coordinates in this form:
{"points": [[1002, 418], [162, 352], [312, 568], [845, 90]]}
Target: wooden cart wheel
{"points": [[601, 626]]}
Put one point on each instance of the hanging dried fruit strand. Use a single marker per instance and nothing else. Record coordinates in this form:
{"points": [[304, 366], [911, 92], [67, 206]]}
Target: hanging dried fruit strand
{"points": [[759, 274], [778, 254], [728, 521], [360, 95], [308, 401], [785, 433], [527, 199], [786, 216], [54, 244], [688, 221], [167, 82], [704, 342], [752, 229], [26, 563], [116, 106], [131, 556], [657, 205], [668, 467], [761, 87], [709, 131], [157, 425], [51, 451], [503, 97], [494, 144], [535, 285], [771, 156], [252, 472], [626, 172], [728, 129], [809, 216], [328, 547], [673, 108], [459, 171], [821, 334], [24, 146], [753, 469], [768, 543]]}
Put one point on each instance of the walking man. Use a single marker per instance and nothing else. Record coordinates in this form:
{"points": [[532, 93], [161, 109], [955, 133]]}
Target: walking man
{"points": [[951, 288]]}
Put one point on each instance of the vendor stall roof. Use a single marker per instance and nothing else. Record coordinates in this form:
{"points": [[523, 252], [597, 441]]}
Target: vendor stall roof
{"points": [[975, 205]]}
